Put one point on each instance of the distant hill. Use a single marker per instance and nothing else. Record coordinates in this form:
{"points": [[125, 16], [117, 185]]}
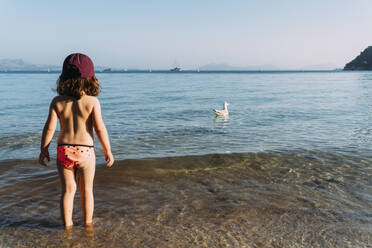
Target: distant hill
{"points": [[20, 65], [226, 67], [362, 62]]}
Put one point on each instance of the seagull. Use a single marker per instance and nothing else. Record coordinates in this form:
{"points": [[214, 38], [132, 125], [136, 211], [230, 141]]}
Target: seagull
{"points": [[223, 112]]}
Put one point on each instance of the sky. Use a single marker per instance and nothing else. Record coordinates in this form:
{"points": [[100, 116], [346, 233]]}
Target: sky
{"points": [[161, 34]]}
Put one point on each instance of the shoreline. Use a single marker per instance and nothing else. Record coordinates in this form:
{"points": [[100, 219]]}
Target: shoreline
{"points": [[209, 201], [357, 154]]}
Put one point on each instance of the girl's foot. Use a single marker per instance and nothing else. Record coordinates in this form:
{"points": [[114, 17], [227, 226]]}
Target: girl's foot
{"points": [[90, 224], [69, 227]]}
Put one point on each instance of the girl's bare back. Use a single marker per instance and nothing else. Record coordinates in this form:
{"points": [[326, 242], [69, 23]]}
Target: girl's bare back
{"points": [[76, 119]]}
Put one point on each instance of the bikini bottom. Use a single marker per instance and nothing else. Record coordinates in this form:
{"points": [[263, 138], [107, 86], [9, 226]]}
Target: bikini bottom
{"points": [[70, 155]]}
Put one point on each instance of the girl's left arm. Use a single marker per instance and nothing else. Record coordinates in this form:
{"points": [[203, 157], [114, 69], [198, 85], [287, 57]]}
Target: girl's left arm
{"points": [[48, 132]]}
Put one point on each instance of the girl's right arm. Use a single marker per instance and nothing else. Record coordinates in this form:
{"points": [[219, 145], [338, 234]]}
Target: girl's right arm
{"points": [[48, 132], [101, 131]]}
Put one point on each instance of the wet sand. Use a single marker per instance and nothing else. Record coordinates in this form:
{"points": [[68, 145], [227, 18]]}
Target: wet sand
{"points": [[272, 199]]}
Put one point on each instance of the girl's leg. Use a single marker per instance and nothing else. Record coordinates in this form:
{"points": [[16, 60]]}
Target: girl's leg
{"points": [[86, 173], [68, 186]]}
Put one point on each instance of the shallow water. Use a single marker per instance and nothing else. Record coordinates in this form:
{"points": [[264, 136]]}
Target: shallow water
{"points": [[272, 199]]}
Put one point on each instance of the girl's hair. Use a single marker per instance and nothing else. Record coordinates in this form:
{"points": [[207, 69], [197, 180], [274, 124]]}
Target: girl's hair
{"points": [[77, 86]]}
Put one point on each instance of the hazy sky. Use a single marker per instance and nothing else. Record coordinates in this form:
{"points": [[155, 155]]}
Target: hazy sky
{"points": [[143, 34]]}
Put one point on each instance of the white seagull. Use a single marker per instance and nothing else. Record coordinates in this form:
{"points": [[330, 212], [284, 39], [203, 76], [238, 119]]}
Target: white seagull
{"points": [[223, 112]]}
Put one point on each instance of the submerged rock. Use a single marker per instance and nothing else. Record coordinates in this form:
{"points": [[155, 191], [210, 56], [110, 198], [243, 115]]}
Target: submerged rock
{"points": [[361, 62]]}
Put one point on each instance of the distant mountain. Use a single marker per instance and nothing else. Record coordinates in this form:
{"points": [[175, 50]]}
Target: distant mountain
{"points": [[20, 65], [362, 62], [226, 67]]}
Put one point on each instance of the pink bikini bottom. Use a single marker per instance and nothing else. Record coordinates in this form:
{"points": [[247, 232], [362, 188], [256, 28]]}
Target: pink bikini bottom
{"points": [[70, 155]]}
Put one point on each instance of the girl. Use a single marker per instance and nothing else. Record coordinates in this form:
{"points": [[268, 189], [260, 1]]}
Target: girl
{"points": [[79, 112]]}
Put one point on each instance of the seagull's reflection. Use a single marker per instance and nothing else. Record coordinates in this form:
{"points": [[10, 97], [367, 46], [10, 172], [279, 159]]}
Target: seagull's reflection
{"points": [[221, 118], [221, 121]]}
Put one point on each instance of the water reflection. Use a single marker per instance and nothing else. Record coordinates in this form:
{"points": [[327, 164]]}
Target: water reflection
{"points": [[221, 121], [221, 118]]}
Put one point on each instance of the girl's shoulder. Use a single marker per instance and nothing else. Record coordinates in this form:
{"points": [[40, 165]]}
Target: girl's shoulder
{"points": [[57, 99], [90, 99]]}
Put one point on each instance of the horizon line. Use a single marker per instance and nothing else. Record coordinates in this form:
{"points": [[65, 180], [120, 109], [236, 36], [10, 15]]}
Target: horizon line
{"points": [[180, 72]]}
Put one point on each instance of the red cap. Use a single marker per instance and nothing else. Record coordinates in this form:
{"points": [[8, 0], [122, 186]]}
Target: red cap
{"points": [[77, 65]]}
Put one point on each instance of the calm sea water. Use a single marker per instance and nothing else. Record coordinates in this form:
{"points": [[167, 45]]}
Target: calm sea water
{"points": [[290, 167], [157, 115]]}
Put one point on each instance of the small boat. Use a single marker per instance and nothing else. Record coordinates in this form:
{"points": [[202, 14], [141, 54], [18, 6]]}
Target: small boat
{"points": [[176, 69]]}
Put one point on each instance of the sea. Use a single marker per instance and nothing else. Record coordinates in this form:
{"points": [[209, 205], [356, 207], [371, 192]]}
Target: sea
{"points": [[291, 166]]}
